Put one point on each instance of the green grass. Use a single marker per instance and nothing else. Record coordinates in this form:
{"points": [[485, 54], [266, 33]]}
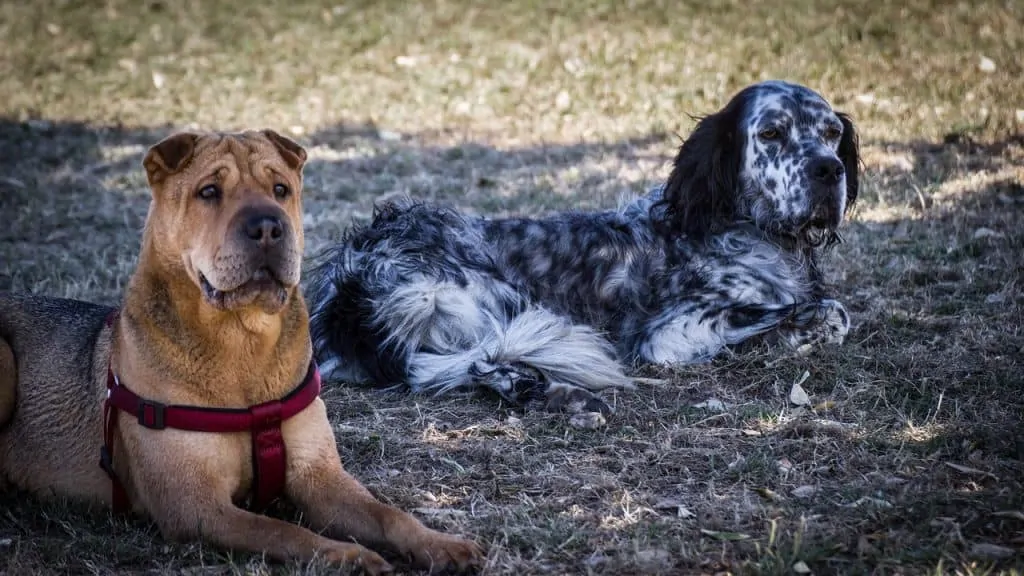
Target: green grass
{"points": [[527, 107]]}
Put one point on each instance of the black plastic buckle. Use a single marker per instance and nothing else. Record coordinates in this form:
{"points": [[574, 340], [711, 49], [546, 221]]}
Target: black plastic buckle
{"points": [[106, 463], [151, 414]]}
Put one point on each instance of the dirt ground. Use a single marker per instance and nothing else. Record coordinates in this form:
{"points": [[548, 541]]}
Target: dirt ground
{"points": [[910, 459]]}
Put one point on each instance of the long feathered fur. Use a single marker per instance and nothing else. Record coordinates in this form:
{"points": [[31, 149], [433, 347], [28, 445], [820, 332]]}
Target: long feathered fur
{"points": [[551, 310]]}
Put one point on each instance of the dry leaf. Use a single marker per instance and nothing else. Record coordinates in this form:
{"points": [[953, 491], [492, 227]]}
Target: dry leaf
{"points": [[769, 494], [653, 557], [797, 395], [724, 536], [969, 470], [712, 404], [804, 491], [439, 512], [826, 405], [1015, 514], [991, 551], [985, 233]]}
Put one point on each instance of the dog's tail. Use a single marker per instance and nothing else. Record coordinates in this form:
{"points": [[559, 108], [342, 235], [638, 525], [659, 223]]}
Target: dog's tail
{"points": [[534, 341], [434, 336]]}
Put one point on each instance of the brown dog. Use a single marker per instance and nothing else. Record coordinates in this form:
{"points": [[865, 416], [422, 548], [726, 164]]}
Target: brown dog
{"points": [[213, 317]]}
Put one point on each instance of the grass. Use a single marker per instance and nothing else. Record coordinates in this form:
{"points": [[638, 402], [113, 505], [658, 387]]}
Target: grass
{"points": [[913, 462]]}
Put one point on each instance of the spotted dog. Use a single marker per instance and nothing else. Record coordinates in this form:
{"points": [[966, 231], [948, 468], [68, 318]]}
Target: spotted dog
{"points": [[550, 311]]}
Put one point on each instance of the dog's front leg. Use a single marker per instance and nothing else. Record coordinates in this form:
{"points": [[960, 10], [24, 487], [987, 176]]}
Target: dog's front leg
{"points": [[336, 503], [233, 528], [191, 497]]}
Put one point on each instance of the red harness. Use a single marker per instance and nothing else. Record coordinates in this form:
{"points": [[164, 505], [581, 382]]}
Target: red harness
{"points": [[263, 420]]}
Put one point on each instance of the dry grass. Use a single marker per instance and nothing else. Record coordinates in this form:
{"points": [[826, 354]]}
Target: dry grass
{"points": [[912, 462]]}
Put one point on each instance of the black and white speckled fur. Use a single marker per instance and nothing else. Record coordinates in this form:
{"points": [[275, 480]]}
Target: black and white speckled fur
{"points": [[550, 309]]}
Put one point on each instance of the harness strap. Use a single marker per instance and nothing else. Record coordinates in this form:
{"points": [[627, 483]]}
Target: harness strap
{"points": [[263, 420]]}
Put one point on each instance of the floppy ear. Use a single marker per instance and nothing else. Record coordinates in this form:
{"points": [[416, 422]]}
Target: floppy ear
{"points": [[699, 196], [293, 154], [169, 156], [849, 154]]}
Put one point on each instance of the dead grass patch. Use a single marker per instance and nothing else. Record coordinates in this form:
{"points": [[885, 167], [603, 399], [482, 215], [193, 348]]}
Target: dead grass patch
{"points": [[912, 461]]}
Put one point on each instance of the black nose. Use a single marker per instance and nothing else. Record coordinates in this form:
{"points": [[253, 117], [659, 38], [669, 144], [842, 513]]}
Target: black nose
{"points": [[826, 170], [264, 229]]}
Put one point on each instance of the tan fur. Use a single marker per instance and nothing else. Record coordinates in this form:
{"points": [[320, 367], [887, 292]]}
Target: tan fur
{"points": [[175, 343]]}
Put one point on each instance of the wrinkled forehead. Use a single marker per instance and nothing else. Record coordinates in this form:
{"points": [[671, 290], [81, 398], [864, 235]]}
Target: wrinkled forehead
{"points": [[797, 104], [250, 153]]}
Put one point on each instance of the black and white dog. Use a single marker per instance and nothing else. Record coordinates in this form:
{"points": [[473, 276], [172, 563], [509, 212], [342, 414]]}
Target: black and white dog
{"points": [[550, 310]]}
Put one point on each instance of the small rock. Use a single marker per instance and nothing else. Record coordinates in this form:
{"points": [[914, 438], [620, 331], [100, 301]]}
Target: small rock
{"points": [[1020, 116], [803, 491], [159, 80], [563, 101], [801, 567], [985, 64], [5, 542], [389, 136], [587, 420]]}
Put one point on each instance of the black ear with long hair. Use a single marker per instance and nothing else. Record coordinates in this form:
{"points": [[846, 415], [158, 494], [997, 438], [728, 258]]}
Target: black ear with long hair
{"points": [[700, 195], [849, 153]]}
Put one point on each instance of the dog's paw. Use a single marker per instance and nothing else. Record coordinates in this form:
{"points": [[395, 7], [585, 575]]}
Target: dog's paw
{"points": [[827, 322], [574, 400], [836, 323], [439, 552], [354, 555]]}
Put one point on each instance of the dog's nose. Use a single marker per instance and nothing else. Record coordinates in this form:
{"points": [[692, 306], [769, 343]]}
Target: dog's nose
{"points": [[264, 229], [826, 170]]}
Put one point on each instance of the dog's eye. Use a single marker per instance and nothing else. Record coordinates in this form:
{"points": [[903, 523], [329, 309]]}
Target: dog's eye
{"points": [[281, 191], [210, 192], [769, 134], [831, 133]]}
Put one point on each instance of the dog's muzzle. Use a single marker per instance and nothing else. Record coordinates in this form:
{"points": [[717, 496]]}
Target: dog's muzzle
{"points": [[827, 176]]}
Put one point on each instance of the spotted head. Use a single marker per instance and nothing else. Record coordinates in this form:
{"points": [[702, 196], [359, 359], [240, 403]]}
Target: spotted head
{"points": [[777, 156]]}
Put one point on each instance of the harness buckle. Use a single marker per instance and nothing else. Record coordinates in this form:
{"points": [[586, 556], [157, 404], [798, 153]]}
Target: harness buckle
{"points": [[151, 414], [106, 462]]}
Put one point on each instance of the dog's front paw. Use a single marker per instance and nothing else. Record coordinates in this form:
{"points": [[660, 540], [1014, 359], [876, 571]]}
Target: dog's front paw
{"points": [[836, 323], [439, 552], [825, 322], [354, 555]]}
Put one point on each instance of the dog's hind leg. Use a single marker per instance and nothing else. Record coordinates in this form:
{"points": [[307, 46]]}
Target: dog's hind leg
{"points": [[8, 382]]}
